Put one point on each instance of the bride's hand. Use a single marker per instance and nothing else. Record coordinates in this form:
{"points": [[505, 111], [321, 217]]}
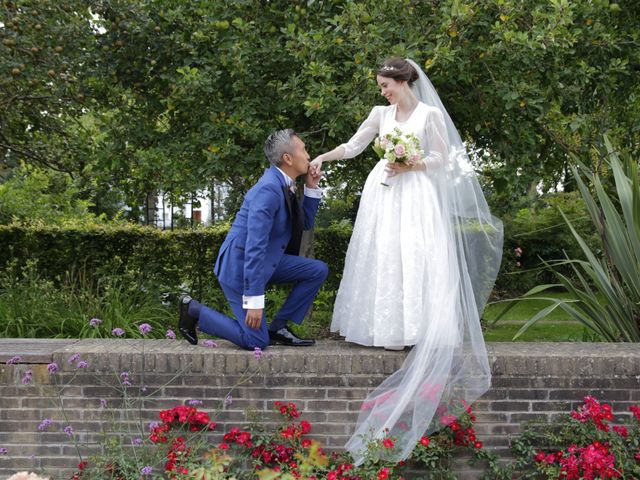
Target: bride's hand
{"points": [[398, 167], [315, 166]]}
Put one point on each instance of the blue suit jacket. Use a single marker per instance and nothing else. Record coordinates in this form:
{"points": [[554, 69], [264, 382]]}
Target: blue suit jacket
{"points": [[259, 235]]}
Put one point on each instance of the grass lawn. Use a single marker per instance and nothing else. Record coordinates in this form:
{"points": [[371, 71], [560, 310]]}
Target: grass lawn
{"points": [[557, 327], [540, 332]]}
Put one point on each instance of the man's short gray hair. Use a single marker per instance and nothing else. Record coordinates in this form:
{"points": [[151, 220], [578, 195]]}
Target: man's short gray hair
{"points": [[277, 145]]}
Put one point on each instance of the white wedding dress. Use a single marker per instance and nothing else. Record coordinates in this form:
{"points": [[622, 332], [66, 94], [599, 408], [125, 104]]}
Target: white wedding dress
{"points": [[422, 260], [396, 276]]}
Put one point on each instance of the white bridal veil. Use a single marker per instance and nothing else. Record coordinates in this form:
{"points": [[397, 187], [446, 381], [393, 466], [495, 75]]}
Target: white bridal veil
{"points": [[445, 369]]}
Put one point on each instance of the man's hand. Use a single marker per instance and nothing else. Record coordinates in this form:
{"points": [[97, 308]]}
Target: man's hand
{"points": [[313, 178], [254, 318]]}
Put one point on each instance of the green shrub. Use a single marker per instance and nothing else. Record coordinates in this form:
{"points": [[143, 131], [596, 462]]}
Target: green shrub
{"points": [[541, 234], [166, 261], [32, 194], [35, 307], [603, 294], [53, 279], [330, 246]]}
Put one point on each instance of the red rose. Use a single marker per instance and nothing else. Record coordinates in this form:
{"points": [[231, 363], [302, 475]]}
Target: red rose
{"points": [[621, 430], [243, 438], [305, 426], [383, 474]]}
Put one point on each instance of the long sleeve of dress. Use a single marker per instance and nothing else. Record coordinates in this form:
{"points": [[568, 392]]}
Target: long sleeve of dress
{"points": [[365, 134], [437, 140]]}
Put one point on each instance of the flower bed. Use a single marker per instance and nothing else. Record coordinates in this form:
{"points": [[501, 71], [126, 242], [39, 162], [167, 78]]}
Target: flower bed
{"points": [[177, 447]]}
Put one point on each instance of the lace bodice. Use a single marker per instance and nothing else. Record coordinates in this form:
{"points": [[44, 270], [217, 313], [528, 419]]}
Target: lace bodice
{"points": [[425, 122]]}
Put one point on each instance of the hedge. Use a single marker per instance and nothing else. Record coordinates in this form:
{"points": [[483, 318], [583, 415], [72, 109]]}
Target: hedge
{"points": [[174, 261], [182, 260]]}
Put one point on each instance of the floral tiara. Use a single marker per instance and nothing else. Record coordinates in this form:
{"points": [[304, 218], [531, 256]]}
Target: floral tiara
{"points": [[387, 68]]}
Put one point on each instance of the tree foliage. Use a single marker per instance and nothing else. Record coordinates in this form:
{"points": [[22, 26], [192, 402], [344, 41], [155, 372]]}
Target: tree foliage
{"points": [[33, 195], [138, 96]]}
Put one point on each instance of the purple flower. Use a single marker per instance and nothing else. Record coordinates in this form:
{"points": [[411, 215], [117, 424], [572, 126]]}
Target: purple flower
{"points": [[124, 378], [94, 322], [3, 451], [82, 364], [194, 403], [68, 430], [257, 353], [27, 377], [209, 344], [146, 470], [103, 403], [118, 332], [136, 441], [73, 358], [153, 425], [170, 334], [52, 367], [228, 401], [46, 423], [145, 328], [13, 360]]}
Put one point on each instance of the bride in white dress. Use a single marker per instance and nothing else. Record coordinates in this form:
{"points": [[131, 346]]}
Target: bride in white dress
{"points": [[421, 262], [397, 257]]}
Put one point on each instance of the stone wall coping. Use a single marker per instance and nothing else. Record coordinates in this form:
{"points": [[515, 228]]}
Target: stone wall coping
{"points": [[329, 356], [532, 382]]}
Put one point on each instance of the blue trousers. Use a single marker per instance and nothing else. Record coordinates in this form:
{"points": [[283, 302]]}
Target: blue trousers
{"points": [[306, 274]]}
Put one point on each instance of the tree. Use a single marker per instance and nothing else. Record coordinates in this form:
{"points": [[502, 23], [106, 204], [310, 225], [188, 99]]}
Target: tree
{"points": [[181, 95], [44, 54], [37, 195]]}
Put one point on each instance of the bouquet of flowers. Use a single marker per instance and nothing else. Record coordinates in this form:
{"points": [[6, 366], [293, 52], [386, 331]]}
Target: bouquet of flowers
{"points": [[398, 147]]}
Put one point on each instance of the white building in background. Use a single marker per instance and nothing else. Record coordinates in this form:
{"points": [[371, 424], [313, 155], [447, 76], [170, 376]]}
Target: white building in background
{"points": [[204, 209]]}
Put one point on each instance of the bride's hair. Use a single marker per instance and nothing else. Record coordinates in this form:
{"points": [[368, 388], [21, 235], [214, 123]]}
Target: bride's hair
{"points": [[398, 69]]}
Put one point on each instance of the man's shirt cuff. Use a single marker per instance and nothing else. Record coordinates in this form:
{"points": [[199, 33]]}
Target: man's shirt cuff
{"points": [[252, 302], [312, 192]]}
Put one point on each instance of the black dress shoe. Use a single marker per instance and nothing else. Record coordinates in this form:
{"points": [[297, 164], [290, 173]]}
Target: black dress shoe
{"points": [[284, 336], [187, 324]]}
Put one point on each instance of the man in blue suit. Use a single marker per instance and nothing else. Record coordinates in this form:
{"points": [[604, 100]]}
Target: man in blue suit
{"points": [[262, 248]]}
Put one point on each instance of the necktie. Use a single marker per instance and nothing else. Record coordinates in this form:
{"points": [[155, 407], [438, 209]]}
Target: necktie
{"points": [[297, 223]]}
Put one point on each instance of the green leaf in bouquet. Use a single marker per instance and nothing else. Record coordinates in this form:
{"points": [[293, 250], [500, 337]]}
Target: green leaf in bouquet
{"points": [[379, 151]]}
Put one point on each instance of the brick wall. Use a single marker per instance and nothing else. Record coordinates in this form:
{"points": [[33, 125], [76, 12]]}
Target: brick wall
{"points": [[532, 381]]}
